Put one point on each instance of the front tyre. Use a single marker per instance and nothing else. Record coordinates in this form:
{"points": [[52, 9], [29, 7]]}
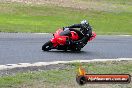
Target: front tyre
{"points": [[47, 46]]}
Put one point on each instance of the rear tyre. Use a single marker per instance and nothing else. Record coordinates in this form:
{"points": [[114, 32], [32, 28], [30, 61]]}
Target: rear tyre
{"points": [[76, 49], [47, 46]]}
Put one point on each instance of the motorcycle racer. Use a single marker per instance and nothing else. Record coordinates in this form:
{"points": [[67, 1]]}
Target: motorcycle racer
{"points": [[85, 33], [69, 38]]}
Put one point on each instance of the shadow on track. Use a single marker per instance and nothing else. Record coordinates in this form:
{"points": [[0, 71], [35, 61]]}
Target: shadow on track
{"points": [[77, 54], [72, 52]]}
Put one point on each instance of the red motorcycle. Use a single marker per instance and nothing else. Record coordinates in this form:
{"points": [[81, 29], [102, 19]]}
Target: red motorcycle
{"points": [[60, 39]]}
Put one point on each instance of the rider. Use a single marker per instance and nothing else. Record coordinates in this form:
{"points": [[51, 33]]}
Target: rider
{"points": [[85, 33]]}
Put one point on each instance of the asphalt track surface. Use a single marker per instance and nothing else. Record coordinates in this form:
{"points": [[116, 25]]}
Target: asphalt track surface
{"points": [[26, 48]]}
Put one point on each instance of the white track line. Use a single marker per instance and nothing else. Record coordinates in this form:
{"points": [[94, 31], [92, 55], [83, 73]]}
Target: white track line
{"points": [[104, 35], [124, 35], [10, 66], [42, 33]]}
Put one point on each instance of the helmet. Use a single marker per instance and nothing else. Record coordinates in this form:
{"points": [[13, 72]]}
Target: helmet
{"points": [[85, 24], [74, 36]]}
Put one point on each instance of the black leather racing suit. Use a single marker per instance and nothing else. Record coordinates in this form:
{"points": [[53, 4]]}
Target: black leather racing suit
{"points": [[84, 35]]}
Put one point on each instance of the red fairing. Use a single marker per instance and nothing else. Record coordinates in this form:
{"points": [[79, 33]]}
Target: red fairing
{"points": [[54, 41], [93, 36], [74, 36], [58, 40], [61, 39]]}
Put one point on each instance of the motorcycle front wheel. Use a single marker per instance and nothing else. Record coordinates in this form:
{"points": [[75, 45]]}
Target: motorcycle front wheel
{"points": [[47, 46]]}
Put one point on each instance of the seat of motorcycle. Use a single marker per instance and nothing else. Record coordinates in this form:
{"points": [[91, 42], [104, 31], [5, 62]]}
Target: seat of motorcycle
{"points": [[65, 33]]}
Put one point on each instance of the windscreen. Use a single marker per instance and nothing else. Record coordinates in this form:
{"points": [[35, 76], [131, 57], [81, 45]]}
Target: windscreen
{"points": [[65, 33]]}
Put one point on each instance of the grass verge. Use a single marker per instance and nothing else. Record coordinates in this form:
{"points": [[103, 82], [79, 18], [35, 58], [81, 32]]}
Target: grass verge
{"points": [[58, 78], [18, 17]]}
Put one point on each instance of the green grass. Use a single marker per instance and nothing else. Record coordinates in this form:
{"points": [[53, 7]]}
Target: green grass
{"points": [[122, 2], [16, 17], [65, 77]]}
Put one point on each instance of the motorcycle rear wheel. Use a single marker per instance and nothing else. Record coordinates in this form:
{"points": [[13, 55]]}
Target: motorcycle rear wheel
{"points": [[76, 49], [47, 46]]}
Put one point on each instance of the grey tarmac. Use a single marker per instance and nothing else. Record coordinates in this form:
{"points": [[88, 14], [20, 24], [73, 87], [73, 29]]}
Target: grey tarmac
{"points": [[26, 48]]}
